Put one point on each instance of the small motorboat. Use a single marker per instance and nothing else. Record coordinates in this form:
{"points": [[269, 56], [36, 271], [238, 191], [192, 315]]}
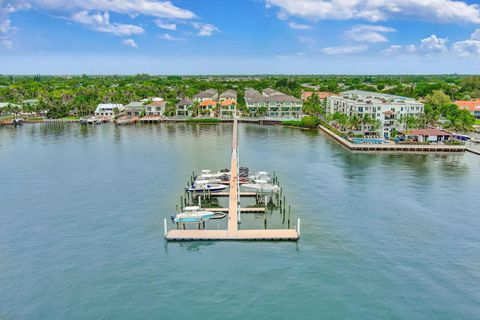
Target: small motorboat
{"points": [[208, 174], [17, 121], [205, 185], [193, 214], [261, 175], [243, 172], [262, 186]]}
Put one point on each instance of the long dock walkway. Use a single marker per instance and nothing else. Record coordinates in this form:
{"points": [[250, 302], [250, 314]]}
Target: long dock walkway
{"points": [[232, 232]]}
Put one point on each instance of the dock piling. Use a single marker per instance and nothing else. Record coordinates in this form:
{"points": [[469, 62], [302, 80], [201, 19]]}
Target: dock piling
{"points": [[165, 228]]}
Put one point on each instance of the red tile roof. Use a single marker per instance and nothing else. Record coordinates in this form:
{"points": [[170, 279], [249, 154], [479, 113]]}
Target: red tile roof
{"points": [[473, 105], [228, 102], [207, 103], [321, 95]]}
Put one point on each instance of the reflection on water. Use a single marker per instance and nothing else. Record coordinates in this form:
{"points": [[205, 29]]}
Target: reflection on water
{"points": [[81, 227]]}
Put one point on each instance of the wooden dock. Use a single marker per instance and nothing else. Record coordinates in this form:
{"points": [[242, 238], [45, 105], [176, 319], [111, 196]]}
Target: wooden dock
{"points": [[232, 232], [227, 194], [242, 210]]}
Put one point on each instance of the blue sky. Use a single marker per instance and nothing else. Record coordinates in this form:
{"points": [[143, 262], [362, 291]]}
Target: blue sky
{"points": [[239, 36]]}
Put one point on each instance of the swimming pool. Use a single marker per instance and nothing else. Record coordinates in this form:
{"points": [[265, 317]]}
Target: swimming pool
{"points": [[368, 140]]}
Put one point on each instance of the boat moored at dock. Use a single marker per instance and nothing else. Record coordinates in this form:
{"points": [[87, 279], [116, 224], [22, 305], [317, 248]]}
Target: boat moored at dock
{"points": [[205, 186], [262, 186], [193, 214]]}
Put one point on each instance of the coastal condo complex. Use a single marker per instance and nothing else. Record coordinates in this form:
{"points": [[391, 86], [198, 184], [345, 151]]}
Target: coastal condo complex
{"points": [[391, 111], [273, 103]]}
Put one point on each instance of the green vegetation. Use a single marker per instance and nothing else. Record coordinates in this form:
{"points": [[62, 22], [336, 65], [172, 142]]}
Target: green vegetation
{"points": [[477, 122], [305, 122], [203, 120], [60, 97]]}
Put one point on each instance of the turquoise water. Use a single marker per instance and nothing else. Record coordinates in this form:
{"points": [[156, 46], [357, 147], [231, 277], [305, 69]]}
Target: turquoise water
{"points": [[384, 236], [365, 140]]}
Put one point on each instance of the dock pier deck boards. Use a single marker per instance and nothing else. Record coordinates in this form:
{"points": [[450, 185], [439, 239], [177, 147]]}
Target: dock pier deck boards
{"points": [[227, 194], [242, 210], [232, 232]]}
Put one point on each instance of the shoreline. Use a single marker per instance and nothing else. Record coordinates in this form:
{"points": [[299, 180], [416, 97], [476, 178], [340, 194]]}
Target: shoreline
{"points": [[345, 143], [393, 148]]}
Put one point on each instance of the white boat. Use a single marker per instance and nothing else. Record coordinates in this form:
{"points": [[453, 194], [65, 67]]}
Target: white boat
{"points": [[205, 185], [261, 175], [208, 174], [262, 186], [210, 180], [193, 214]]}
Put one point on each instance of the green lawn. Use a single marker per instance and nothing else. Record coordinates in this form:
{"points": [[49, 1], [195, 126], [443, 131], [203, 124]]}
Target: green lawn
{"points": [[477, 122]]}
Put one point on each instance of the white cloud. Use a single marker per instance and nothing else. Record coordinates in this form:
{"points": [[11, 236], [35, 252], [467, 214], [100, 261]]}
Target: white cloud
{"points": [[368, 33], [130, 43], [434, 44], [378, 10], [397, 49], [77, 9], [160, 9], [165, 25], [5, 23], [475, 35], [341, 50], [101, 22], [299, 26], [469, 47], [205, 29], [169, 37]]}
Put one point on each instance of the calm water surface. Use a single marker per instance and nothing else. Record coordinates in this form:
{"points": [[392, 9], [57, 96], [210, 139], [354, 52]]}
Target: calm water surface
{"points": [[384, 236]]}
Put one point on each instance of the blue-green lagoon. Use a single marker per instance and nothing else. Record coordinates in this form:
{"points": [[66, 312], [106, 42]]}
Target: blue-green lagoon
{"points": [[384, 236]]}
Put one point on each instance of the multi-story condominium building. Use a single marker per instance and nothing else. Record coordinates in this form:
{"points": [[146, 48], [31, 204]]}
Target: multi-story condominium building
{"points": [[390, 110], [273, 103], [210, 94], [184, 108], [228, 95]]}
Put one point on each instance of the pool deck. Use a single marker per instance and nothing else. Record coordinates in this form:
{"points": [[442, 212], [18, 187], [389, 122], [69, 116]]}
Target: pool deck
{"points": [[232, 232], [393, 147]]}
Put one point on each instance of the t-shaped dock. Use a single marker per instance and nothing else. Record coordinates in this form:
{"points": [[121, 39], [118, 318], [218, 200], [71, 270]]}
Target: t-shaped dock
{"points": [[232, 232]]}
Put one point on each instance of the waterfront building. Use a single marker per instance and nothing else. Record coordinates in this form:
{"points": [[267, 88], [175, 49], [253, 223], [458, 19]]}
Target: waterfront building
{"points": [[390, 111], [7, 105], [471, 105], [210, 94], [109, 109], [425, 135], [184, 108], [229, 94], [227, 108], [156, 108], [207, 107], [273, 103], [135, 108]]}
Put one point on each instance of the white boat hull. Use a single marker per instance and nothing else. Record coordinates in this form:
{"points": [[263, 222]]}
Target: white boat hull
{"points": [[261, 187]]}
